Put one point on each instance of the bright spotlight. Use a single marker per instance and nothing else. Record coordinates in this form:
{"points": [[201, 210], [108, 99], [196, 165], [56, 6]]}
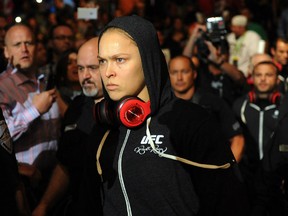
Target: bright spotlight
{"points": [[18, 19]]}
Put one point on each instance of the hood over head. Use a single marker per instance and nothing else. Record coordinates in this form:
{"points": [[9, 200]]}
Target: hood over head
{"points": [[153, 61]]}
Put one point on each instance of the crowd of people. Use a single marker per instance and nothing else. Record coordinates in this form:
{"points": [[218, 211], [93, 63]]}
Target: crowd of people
{"points": [[137, 114]]}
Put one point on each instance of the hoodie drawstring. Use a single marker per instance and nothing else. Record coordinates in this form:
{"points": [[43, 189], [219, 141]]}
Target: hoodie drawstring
{"points": [[183, 160]]}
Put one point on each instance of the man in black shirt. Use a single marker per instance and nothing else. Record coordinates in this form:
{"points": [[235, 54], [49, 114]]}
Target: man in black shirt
{"points": [[183, 75], [78, 129]]}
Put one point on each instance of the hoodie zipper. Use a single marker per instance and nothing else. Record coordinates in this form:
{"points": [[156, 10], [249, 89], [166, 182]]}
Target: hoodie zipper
{"points": [[261, 123], [120, 174]]}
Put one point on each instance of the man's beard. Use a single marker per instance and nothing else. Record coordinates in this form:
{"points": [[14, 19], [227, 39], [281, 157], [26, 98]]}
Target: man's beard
{"points": [[89, 92]]}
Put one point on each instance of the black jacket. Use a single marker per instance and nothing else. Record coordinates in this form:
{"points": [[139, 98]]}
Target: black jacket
{"points": [[259, 119]]}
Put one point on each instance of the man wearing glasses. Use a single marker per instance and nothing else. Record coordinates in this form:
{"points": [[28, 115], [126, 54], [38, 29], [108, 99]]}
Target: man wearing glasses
{"points": [[61, 39]]}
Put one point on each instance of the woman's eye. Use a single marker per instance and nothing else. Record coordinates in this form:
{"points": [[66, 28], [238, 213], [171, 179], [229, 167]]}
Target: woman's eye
{"points": [[120, 60], [101, 61]]}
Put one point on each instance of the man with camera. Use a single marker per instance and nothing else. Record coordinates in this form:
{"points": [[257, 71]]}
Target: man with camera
{"points": [[215, 74]]}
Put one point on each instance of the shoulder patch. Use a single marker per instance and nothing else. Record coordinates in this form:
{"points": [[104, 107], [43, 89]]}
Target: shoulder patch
{"points": [[283, 148], [70, 127], [5, 138]]}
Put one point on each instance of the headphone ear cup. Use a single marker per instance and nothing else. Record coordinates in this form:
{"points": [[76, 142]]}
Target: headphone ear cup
{"points": [[252, 97], [132, 111], [275, 97], [103, 113]]}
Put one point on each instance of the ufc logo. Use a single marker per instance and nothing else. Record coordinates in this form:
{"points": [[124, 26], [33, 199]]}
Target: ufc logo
{"points": [[155, 138]]}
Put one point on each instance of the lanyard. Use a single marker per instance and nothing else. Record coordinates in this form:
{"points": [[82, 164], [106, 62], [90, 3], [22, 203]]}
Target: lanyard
{"points": [[238, 45]]}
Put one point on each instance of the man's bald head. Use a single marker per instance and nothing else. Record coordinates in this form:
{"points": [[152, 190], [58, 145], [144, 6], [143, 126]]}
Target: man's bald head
{"points": [[19, 46], [91, 44], [257, 58]]}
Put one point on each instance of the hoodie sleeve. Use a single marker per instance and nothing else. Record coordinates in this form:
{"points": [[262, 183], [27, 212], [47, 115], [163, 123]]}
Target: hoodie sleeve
{"points": [[221, 191], [197, 137]]}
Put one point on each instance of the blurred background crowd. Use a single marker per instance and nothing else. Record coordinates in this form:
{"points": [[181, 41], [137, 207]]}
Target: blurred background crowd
{"points": [[224, 67], [175, 17]]}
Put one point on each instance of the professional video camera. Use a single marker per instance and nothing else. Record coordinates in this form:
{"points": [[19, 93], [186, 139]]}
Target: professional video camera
{"points": [[215, 33]]}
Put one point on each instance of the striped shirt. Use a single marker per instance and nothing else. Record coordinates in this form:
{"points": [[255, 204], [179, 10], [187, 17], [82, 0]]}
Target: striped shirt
{"points": [[31, 132]]}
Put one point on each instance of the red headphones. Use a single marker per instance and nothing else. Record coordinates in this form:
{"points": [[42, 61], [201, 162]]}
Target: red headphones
{"points": [[129, 111], [274, 97]]}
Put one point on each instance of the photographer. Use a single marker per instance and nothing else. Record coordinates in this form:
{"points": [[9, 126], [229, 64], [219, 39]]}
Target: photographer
{"points": [[215, 74]]}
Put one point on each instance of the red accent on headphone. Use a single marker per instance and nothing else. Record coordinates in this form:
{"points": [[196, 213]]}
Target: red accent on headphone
{"points": [[252, 96], [130, 111], [273, 97]]}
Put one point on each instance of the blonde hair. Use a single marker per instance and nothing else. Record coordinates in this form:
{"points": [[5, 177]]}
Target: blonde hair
{"points": [[115, 29]]}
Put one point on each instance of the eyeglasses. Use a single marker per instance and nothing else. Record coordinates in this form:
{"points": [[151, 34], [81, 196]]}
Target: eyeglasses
{"points": [[63, 37]]}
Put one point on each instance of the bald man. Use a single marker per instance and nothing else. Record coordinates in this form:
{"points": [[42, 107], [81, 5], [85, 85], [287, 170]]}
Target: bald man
{"points": [[71, 172], [31, 113]]}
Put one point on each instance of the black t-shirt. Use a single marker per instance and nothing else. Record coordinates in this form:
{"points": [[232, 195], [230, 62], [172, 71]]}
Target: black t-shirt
{"points": [[221, 85], [220, 110], [77, 142], [71, 148]]}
